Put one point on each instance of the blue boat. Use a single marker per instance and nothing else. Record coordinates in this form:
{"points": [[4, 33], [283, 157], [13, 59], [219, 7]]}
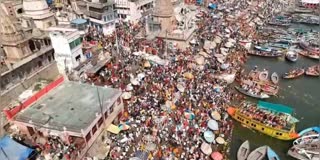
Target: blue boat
{"points": [[272, 155], [310, 130], [262, 48]]}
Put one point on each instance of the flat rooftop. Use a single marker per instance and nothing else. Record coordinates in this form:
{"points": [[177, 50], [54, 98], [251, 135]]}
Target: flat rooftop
{"points": [[71, 105]]}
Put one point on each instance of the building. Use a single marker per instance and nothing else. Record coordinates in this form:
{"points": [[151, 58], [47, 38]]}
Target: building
{"points": [[101, 14], [26, 56], [39, 12], [312, 4], [133, 10], [168, 22], [67, 44], [13, 8], [76, 113]]}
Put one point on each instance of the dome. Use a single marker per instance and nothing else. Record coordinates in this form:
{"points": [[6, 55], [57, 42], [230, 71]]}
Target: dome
{"points": [[34, 5]]}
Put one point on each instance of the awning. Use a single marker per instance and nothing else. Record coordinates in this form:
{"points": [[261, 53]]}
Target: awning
{"points": [[113, 129], [12, 150], [275, 107]]}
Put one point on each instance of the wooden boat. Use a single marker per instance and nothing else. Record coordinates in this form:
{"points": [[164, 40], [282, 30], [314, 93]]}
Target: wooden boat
{"points": [[261, 48], [294, 74], [263, 75], [306, 139], [292, 56], [242, 115], [301, 154], [311, 55], [309, 131], [274, 78], [266, 54], [260, 95], [258, 154], [313, 71], [243, 151], [272, 155]]}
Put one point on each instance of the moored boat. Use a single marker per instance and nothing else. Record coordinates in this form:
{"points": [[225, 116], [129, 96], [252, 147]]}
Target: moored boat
{"points": [[243, 151], [248, 92], [313, 71], [261, 48], [258, 154], [272, 155], [294, 73], [292, 56], [272, 54], [310, 130], [274, 78], [301, 154], [306, 139], [247, 114]]}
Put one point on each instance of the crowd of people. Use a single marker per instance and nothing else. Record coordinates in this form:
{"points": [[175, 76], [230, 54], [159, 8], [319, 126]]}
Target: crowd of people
{"points": [[170, 103]]}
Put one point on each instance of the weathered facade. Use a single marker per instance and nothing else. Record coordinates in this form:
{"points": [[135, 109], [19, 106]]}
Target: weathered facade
{"points": [[27, 56]]}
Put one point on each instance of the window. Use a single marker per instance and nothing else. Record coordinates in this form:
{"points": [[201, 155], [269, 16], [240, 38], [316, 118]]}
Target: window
{"points": [[100, 122], [247, 122], [106, 114], [94, 130], [118, 101], [75, 43], [262, 129], [39, 64], [78, 58], [111, 109], [88, 136]]}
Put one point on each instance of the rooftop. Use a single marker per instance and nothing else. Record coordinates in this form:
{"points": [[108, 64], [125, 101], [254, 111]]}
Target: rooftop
{"points": [[71, 105]]}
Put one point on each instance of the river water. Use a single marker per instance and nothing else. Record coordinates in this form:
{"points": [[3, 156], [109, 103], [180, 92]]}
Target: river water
{"points": [[302, 94]]}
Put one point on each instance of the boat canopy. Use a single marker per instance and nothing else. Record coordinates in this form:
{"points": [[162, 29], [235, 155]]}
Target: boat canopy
{"points": [[275, 107]]}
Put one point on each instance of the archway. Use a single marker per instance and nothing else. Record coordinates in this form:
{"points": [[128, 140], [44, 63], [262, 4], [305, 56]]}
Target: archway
{"points": [[20, 11], [32, 45]]}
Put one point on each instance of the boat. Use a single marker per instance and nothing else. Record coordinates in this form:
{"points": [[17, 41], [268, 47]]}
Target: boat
{"points": [[294, 73], [266, 54], [243, 151], [258, 154], [311, 55], [243, 114], [306, 139], [310, 130], [292, 56], [301, 154], [263, 75], [261, 48], [313, 71], [260, 95], [272, 155], [274, 78]]}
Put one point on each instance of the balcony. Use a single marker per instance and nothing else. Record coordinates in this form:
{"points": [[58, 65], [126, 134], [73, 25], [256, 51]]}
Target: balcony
{"points": [[95, 15]]}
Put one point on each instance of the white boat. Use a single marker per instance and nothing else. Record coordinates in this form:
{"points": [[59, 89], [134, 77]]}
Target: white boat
{"points": [[274, 78], [292, 56], [243, 151], [258, 154]]}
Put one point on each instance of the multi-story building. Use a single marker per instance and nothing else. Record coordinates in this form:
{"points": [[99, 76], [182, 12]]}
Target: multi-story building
{"points": [[133, 10], [312, 4], [101, 14], [67, 44], [27, 57], [13, 8], [70, 111]]}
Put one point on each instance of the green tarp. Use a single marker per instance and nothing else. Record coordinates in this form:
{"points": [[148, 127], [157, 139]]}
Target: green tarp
{"points": [[275, 107]]}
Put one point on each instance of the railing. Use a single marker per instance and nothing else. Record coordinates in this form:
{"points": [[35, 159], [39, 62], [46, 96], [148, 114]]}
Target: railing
{"points": [[11, 112]]}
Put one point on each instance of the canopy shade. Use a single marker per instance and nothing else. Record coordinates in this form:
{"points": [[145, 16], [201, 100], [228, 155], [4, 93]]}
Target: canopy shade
{"points": [[113, 129], [13, 150], [275, 107]]}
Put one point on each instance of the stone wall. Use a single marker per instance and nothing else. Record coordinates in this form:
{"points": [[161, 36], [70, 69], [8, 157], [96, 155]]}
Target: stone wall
{"points": [[49, 72]]}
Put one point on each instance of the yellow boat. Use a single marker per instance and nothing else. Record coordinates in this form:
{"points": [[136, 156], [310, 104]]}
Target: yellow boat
{"points": [[282, 133]]}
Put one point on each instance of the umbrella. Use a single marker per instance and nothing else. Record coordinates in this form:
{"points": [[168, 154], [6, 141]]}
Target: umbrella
{"points": [[148, 138], [126, 95], [206, 148], [181, 87], [193, 41], [134, 82], [188, 75], [151, 147], [124, 127], [220, 140], [199, 60], [225, 66], [134, 158], [140, 76], [216, 115], [213, 124], [129, 87], [189, 115], [147, 64], [217, 156], [208, 136], [228, 45]]}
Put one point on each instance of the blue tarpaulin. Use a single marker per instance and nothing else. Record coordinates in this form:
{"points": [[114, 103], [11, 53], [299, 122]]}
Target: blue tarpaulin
{"points": [[12, 150], [212, 6]]}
